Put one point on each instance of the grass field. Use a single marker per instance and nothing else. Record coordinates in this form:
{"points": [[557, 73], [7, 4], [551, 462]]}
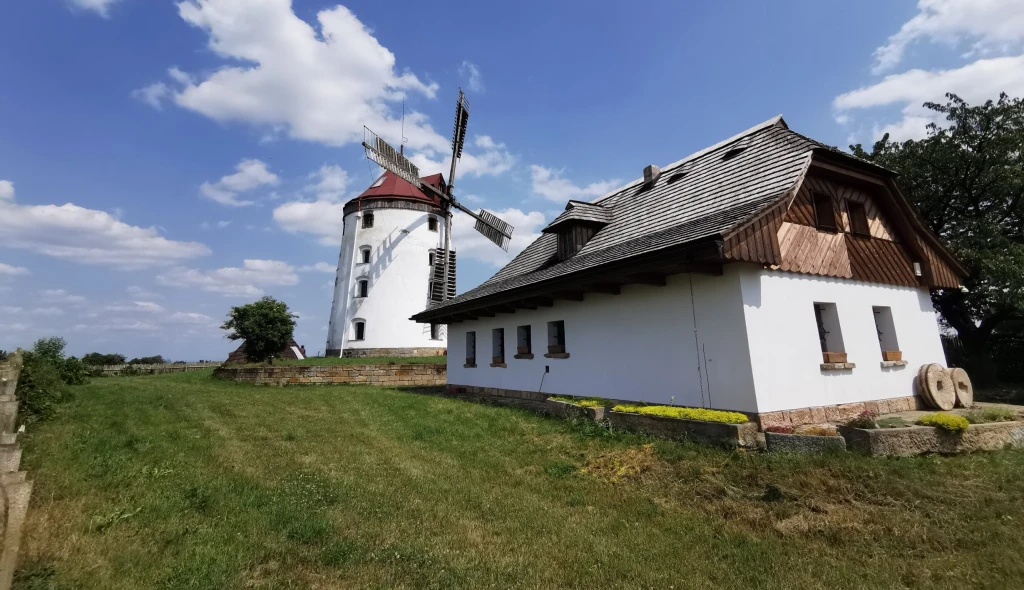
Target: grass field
{"points": [[181, 481], [333, 360]]}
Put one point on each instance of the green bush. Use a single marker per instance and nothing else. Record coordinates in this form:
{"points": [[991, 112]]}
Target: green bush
{"points": [[699, 414], [40, 388], [586, 402], [947, 422], [73, 371], [987, 415]]}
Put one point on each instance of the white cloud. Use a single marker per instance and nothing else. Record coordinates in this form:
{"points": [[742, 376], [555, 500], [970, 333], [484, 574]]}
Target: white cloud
{"points": [[184, 317], [249, 175], [495, 159], [320, 218], [246, 281], [991, 31], [89, 236], [470, 244], [153, 95], [60, 296], [10, 309], [318, 267], [118, 326], [139, 292], [48, 311], [332, 183], [989, 25], [223, 224], [6, 190], [471, 73], [549, 184], [976, 82], [7, 269], [314, 83], [100, 7]]}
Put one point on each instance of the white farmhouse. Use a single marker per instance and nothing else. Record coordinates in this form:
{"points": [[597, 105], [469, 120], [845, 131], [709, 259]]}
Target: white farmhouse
{"points": [[388, 269], [768, 274]]}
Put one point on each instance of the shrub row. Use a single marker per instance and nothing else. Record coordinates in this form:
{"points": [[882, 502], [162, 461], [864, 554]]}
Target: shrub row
{"points": [[699, 414]]}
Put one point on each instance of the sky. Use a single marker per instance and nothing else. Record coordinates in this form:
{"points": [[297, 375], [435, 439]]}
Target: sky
{"points": [[162, 161]]}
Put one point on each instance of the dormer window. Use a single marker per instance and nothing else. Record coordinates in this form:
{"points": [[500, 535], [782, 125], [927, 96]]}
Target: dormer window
{"points": [[576, 226]]}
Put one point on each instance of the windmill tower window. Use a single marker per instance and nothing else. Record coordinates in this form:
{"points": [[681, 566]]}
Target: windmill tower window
{"points": [[360, 330], [432, 223], [364, 255], [430, 258], [362, 288], [367, 220]]}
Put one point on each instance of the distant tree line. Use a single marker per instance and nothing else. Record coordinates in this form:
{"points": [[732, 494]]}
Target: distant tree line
{"points": [[99, 359]]}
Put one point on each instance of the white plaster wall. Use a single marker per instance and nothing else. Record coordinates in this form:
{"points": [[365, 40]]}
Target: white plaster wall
{"points": [[398, 274], [639, 345], [786, 354]]}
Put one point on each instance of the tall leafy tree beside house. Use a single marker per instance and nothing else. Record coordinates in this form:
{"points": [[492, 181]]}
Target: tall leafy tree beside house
{"points": [[266, 326], [967, 179]]}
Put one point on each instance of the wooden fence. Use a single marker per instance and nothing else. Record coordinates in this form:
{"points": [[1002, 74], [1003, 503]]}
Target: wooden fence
{"points": [[111, 370]]}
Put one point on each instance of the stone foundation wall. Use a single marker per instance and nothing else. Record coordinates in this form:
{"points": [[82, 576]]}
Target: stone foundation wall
{"points": [[15, 489], [531, 400], [362, 353], [386, 375], [839, 413]]}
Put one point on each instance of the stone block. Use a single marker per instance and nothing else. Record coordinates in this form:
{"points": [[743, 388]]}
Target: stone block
{"points": [[843, 412], [727, 435], [802, 416], [16, 496], [919, 440], [818, 415], [801, 443], [10, 458], [8, 416], [8, 385]]}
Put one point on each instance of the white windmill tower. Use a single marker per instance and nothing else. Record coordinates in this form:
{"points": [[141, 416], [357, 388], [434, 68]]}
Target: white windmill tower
{"points": [[396, 255]]}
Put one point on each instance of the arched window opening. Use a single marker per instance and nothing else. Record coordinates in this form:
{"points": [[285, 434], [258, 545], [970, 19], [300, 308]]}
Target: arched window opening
{"points": [[359, 329], [367, 220], [364, 255], [362, 288]]}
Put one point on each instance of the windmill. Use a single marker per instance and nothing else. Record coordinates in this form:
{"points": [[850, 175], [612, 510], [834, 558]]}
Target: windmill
{"points": [[489, 225]]}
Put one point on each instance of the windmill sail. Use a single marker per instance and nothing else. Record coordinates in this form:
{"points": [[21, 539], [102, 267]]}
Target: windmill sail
{"points": [[494, 229], [390, 159]]}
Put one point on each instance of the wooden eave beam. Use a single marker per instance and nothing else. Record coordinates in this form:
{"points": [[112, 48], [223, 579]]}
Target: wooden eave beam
{"points": [[569, 295], [540, 301], [606, 288], [655, 279]]}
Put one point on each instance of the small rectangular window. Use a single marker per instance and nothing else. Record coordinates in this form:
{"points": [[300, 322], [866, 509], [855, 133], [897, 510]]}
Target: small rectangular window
{"points": [[556, 337], [367, 220], [498, 345], [886, 328], [364, 288], [360, 330], [858, 219], [830, 335], [471, 348], [523, 340], [824, 212], [430, 259], [365, 255], [432, 223]]}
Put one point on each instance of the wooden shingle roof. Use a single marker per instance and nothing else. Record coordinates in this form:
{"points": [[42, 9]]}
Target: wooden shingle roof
{"points": [[694, 203]]}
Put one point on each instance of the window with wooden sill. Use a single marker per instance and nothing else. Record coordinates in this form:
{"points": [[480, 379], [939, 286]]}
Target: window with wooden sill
{"points": [[498, 348], [556, 340], [524, 343], [830, 337]]}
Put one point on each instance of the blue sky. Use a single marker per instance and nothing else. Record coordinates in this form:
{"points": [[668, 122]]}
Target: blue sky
{"points": [[161, 161]]}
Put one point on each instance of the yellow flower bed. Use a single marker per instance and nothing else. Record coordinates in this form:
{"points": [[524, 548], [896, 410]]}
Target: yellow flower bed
{"points": [[586, 402], [699, 414], [950, 422]]}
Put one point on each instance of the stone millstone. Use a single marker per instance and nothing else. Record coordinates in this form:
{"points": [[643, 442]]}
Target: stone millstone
{"points": [[922, 387], [940, 387], [963, 387]]}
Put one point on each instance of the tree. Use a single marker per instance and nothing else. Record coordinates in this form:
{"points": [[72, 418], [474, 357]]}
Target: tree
{"points": [[967, 180], [266, 326], [148, 360], [50, 349], [98, 359]]}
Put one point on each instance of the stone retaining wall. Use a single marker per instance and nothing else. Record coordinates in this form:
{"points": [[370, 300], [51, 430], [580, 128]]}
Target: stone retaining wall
{"points": [[919, 440], [386, 375], [15, 489], [839, 413], [363, 353], [531, 400]]}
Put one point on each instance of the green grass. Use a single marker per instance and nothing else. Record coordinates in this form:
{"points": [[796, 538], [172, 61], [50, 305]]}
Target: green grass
{"points": [[333, 360], [182, 481]]}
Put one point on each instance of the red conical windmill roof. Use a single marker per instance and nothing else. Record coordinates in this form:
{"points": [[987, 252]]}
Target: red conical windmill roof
{"points": [[389, 186]]}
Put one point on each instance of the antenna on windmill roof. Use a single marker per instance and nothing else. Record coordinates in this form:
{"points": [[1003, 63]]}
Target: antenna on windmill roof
{"points": [[401, 146], [489, 225]]}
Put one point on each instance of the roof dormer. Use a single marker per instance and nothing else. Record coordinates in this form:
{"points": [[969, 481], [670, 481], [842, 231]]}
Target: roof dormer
{"points": [[576, 226]]}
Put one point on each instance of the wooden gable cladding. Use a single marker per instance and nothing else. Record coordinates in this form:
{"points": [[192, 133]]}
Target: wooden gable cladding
{"points": [[879, 261], [941, 273], [802, 210], [757, 241], [573, 237], [806, 250]]}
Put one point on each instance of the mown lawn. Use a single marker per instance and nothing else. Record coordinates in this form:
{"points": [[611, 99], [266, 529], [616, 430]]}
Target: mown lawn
{"points": [[181, 481]]}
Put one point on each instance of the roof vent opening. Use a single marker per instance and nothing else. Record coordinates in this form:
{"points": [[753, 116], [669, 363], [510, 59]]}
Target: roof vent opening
{"points": [[651, 174], [737, 147]]}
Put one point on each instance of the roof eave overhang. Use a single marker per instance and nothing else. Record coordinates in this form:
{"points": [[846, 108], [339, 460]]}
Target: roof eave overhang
{"points": [[705, 256]]}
